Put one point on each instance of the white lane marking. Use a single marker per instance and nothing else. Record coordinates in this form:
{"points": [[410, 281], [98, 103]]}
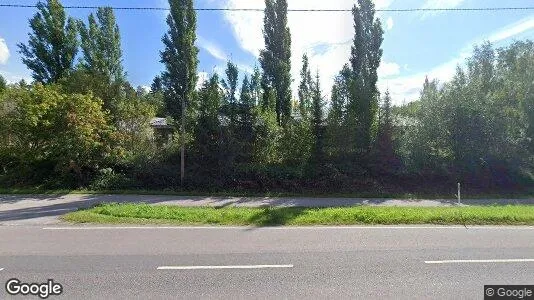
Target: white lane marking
{"points": [[142, 227], [288, 227], [1, 269], [459, 261], [223, 267]]}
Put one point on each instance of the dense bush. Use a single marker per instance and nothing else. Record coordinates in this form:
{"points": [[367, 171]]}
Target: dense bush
{"points": [[54, 134]]}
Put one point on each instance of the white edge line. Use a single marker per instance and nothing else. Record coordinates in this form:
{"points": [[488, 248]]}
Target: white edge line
{"points": [[459, 261], [223, 267], [288, 227]]}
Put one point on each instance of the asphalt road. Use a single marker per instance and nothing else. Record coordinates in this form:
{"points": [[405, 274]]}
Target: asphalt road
{"points": [[303, 263], [44, 209]]}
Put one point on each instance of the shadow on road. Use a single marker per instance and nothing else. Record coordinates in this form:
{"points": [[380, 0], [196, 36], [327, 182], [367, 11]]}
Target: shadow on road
{"points": [[15, 210], [11, 199]]}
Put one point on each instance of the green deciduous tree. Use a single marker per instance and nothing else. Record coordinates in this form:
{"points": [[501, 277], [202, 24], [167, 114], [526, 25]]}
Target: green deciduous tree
{"points": [[230, 86], [317, 123], [474, 127], [3, 84], [255, 86], [385, 155], [247, 118], [179, 57], [101, 46], [230, 83], [209, 152], [366, 54], [135, 136], [340, 138], [157, 85], [52, 45], [305, 89], [50, 132], [275, 59]]}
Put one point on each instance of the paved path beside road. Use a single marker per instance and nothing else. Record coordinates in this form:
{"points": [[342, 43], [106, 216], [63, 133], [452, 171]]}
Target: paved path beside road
{"points": [[44, 209]]}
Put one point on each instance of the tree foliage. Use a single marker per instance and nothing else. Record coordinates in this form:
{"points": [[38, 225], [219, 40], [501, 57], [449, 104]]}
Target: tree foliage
{"points": [[52, 44], [44, 126], [475, 127], [275, 59], [318, 123], [3, 84], [366, 53], [87, 126], [101, 46], [179, 57], [305, 89]]}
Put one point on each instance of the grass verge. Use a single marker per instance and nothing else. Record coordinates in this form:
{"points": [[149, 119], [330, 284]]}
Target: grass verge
{"points": [[174, 215]]}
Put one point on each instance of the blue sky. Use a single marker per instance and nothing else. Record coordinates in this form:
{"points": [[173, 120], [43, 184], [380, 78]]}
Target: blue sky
{"points": [[416, 44]]}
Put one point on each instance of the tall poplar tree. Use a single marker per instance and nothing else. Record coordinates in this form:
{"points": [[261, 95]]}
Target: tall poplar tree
{"points": [[246, 121], [305, 88], [180, 57], [230, 83], [255, 86], [384, 144], [317, 122], [52, 44], [101, 46], [366, 54], [3, 84], [230, 86], [275, 59]]}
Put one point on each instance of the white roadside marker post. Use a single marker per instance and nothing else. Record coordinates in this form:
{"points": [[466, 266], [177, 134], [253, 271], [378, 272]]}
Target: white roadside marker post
{"points": [[459, 196]]}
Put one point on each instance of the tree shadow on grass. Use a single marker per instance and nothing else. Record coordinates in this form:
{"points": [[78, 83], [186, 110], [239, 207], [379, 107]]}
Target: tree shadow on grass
{"points": [[276, 216]]}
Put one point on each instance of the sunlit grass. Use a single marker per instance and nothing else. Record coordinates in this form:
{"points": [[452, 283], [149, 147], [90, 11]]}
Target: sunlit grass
{"points": [[149, 214]]}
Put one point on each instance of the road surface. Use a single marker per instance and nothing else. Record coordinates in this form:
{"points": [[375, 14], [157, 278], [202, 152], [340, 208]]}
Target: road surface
{"points": [[44, 209], [396, 262]]}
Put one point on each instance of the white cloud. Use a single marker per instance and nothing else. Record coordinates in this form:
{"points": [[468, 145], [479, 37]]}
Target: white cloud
{"points": [[389, 24], [211, 48], [407, 88], [145, 88], [512, 30], [247, 26], [4, 52], [388, 69], [14, 78], [215, 51], [326, 37], [245, 68], [202, 77]]}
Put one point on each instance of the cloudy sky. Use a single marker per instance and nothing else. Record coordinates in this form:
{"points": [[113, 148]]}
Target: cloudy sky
{"points": [[416, 44]]}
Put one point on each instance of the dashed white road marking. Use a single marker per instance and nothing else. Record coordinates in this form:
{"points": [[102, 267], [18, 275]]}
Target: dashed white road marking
{"points": [[223, 267], [460, 261]]}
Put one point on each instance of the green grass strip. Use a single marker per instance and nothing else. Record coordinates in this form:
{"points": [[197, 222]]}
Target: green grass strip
{"points": [[272, 216]]}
